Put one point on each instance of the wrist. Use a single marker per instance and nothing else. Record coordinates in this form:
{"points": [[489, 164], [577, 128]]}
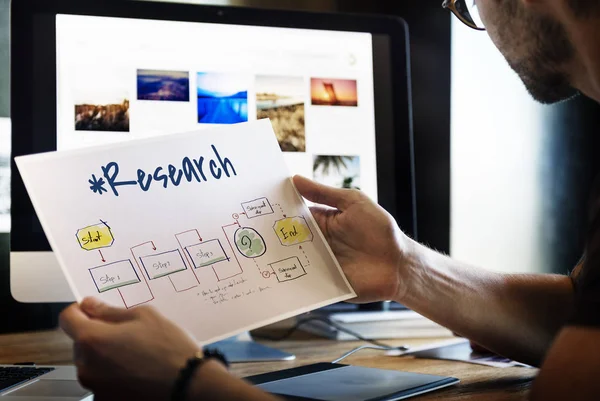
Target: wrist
{"points": [[410, 266], [200, 386], [200, 364]]}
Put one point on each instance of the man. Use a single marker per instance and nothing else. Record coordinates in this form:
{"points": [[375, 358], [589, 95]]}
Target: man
{"points": [[550, 321]]}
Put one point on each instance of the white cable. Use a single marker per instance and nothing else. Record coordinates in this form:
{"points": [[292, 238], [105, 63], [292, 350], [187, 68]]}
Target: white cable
{"points": [[377, 347]]}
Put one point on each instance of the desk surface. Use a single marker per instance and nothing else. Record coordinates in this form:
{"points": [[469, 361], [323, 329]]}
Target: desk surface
{"points": [[477, 382]]}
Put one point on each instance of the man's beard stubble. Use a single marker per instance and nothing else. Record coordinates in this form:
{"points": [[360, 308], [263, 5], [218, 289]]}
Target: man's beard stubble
{"points": [[542, 70]]}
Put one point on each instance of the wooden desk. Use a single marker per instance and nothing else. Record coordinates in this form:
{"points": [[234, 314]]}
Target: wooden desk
{"points": [[477, 382]]}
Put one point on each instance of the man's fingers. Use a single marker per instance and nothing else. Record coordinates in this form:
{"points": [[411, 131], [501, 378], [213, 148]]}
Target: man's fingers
{"points": [[323, 194], [97, 309], [321, 216], [73, 321]]}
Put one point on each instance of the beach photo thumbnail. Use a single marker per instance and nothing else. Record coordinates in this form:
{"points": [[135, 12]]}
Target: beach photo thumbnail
{"points": [[337, 171], [281, 99], [333, 92], [102, 117], [101, 99], [222, 98], [163, 85]]}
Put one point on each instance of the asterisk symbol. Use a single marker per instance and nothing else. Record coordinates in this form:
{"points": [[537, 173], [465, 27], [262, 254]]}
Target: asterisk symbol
{"points": [[97, 185]]}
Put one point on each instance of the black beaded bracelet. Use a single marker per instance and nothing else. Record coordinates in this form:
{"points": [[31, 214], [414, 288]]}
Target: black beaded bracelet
{"points": [[185, 374]]}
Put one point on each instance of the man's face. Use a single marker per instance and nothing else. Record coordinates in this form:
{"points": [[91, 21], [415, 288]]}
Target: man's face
{"points": [[536, 47]]}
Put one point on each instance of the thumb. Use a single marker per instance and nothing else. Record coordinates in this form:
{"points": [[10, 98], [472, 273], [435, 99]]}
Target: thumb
{"points": [[74, 321], [325, 195], [97, 309]]}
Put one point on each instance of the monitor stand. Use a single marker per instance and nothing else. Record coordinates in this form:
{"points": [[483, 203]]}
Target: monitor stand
{"points": [[242, 348]]}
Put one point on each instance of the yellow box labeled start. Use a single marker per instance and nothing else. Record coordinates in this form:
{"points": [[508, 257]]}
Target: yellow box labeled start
{"points": [[95, 236]]}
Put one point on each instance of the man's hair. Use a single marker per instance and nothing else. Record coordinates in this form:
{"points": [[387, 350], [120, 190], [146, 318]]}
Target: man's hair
{"points": [[582, 8]]}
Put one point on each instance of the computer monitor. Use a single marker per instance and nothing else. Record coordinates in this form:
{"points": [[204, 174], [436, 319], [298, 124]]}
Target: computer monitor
{"points": [[336, 88]]}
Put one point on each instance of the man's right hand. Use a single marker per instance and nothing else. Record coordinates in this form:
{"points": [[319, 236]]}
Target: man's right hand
{"points": [[484, 306], [366, 240]]}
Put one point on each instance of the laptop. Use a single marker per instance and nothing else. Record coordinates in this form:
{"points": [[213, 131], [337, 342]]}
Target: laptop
{"points": [[41, 383]]}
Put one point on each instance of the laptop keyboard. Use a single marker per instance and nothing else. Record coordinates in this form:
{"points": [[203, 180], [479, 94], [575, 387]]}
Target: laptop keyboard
{"points": [[13, 375]]}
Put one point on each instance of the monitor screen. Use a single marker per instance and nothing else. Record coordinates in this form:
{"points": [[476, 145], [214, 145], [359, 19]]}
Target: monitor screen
{"points": [[123, 78], [335, 87]]}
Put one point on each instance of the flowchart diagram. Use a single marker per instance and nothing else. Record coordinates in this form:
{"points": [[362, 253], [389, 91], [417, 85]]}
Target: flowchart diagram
{"points": [[239, 248]]}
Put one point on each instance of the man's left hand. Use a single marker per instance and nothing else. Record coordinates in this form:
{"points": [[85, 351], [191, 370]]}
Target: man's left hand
{"points": [[126, 353]]}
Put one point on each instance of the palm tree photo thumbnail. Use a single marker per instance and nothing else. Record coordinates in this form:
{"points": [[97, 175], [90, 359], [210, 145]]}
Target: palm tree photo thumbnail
{"points": [[337, 171]]}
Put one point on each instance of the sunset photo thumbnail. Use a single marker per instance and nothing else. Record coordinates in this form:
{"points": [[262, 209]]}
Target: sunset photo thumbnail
{"points": [[333, 92]]}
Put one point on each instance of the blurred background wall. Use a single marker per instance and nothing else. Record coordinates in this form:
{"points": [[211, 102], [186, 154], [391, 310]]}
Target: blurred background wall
{"points": [[521, 171]]}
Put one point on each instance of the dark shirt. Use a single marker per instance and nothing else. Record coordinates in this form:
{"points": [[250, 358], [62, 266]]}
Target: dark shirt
{"points": [[586, 276]]}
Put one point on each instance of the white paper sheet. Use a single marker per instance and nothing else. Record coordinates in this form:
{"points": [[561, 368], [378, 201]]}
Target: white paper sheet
{"points": [[230, 248]]}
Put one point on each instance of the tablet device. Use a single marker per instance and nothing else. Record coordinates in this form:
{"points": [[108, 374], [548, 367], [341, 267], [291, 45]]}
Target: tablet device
{"points": [[337, 382]]}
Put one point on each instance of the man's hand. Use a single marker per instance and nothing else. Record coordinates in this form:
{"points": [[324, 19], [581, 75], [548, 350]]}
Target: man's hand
{"points": [[365, 239], [136, 354], [126, 354], [382, 263]]}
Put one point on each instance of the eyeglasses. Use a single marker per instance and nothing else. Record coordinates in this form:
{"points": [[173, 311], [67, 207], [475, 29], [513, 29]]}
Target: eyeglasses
{"points": [[466, 11]]}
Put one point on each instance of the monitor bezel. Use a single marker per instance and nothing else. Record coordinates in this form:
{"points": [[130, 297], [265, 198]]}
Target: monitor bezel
{"points": [[23, 61]]}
